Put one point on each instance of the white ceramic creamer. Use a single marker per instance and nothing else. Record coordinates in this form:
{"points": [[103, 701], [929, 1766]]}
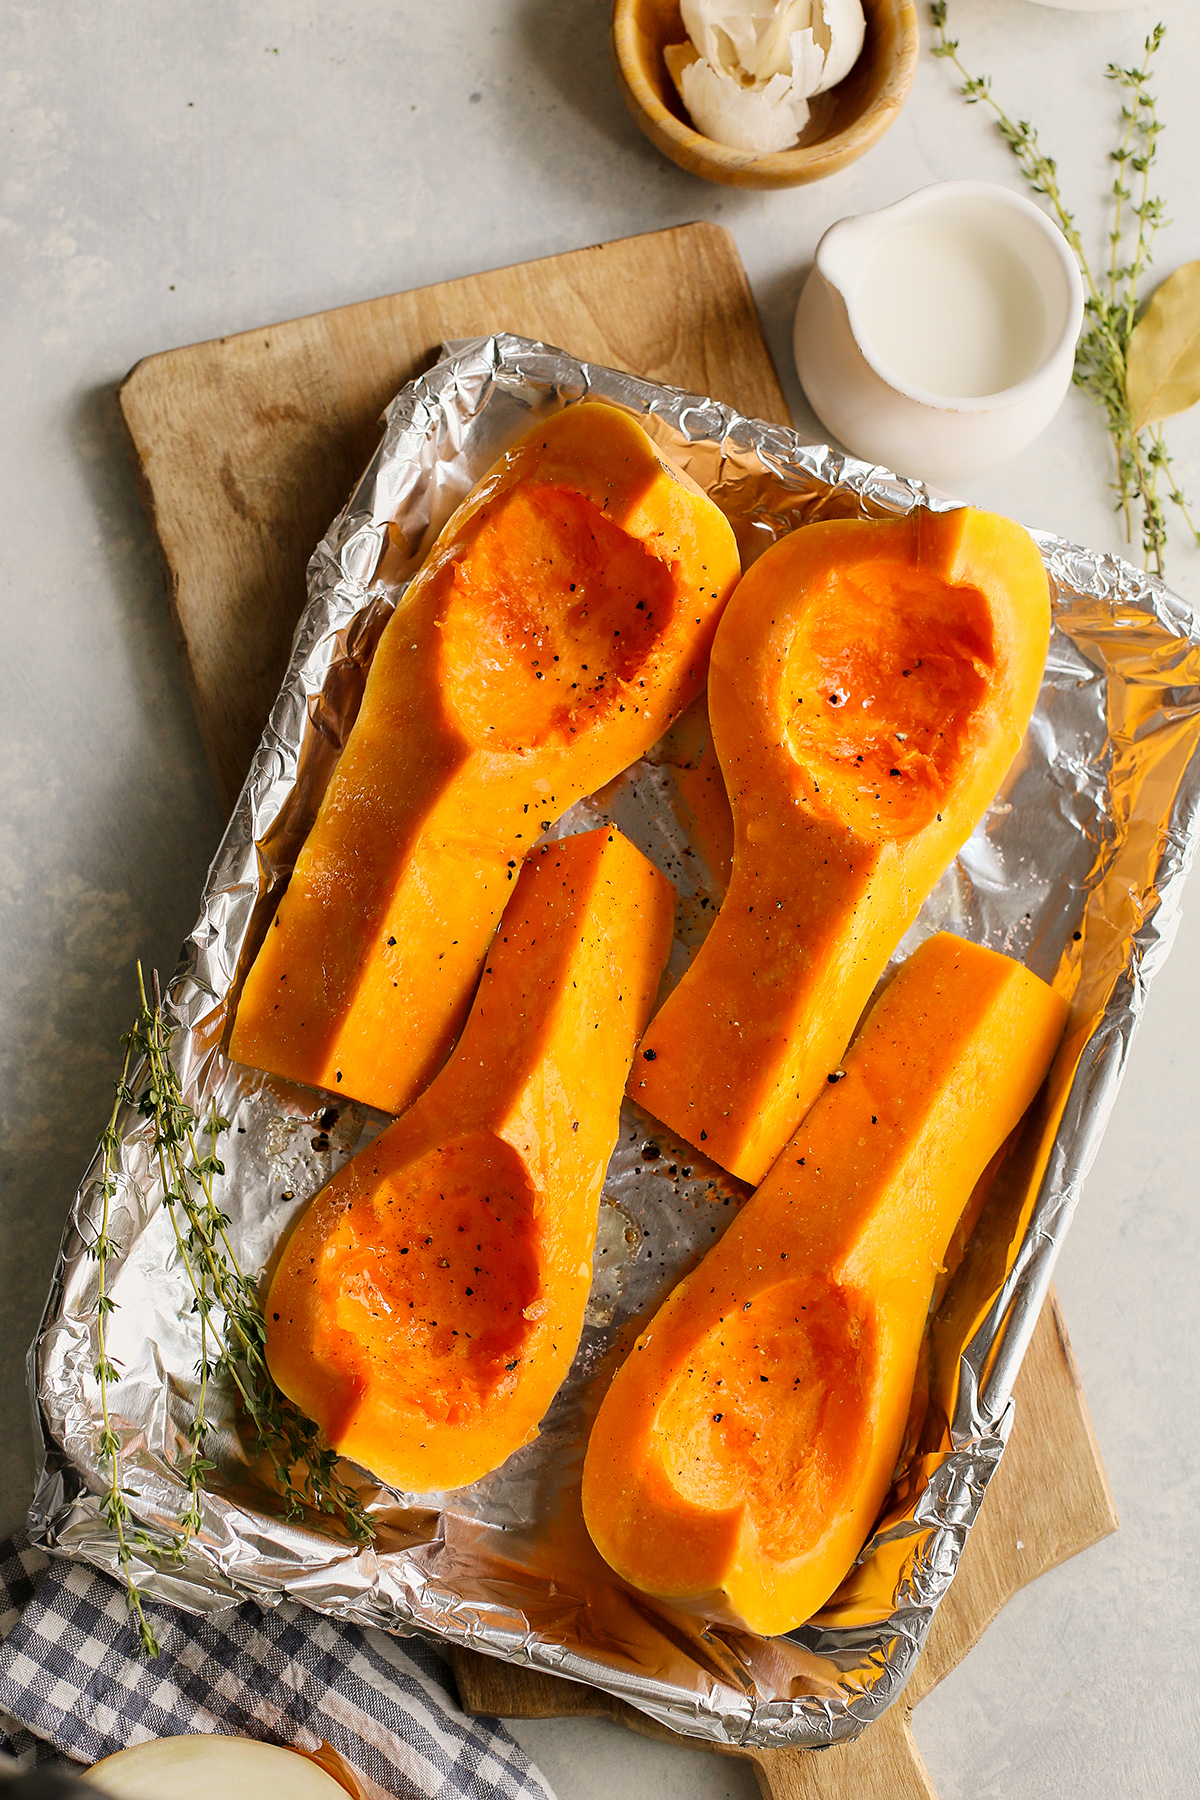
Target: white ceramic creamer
{"points": [[937, 336]]}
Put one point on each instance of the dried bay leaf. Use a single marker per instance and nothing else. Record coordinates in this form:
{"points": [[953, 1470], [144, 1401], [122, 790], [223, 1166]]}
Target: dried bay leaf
{"points": [[1163, 360]]}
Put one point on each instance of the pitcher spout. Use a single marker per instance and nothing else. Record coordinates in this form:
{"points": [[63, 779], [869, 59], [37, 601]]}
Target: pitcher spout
{"points": [[843, 252]]}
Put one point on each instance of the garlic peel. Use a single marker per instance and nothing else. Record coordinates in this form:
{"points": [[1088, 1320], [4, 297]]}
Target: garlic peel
{"points": [[766, 117], [845, 28], [808, 62]]}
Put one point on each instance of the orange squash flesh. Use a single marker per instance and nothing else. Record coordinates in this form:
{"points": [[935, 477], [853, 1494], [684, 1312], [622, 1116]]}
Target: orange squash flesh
{"points": [[560, 623], [870, 684], [744, 1449], [429, 1302]]}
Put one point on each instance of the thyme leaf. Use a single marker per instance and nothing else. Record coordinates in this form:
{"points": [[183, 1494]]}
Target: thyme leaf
{"points": [[114, 1505]]}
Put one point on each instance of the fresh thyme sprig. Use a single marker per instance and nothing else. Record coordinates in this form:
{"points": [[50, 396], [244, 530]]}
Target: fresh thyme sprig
{"points": [[1111, 301], [115, 1507], [232, 1329], [223, 1295]]}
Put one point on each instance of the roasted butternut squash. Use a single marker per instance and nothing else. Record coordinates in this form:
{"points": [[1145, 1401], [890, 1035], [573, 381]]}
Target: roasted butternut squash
{"points": [[869, 687], [742, 1453], [560, 623], [429, 1302]]}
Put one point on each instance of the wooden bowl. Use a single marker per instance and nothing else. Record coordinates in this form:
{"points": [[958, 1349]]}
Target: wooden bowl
{"points": [[843, 124]]}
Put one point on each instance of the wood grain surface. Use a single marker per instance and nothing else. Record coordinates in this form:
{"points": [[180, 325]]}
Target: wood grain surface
{"points": [[244, 449]]}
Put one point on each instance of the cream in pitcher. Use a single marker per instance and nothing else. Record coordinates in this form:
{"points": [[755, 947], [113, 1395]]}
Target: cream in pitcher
{"points": [[937, 336]]}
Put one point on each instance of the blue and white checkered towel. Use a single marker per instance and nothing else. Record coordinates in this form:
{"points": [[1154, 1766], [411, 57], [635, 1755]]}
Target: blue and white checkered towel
{"points": [[73, 1684]]}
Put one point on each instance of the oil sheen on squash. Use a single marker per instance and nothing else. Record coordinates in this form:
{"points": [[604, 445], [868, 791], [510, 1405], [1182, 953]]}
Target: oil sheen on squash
{"points": [[562, 620], [745, 1447], [869, 687], [429, 1302]]}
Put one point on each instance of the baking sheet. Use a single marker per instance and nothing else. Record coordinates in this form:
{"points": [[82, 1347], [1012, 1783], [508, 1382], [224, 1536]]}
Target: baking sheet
{"points": [[1076, 869]]}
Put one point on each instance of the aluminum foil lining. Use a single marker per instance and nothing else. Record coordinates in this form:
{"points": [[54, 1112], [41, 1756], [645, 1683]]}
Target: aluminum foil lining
{"points": [[1077, 869]]}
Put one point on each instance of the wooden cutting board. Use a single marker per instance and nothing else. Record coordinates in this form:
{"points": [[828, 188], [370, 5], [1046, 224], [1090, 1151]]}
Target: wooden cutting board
{"points": [[244, 449]]}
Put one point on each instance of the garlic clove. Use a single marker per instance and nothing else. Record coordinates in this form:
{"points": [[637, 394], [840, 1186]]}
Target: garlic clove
{"points": [[677, 58], [745, 38], [706, 22], [773, 54]]}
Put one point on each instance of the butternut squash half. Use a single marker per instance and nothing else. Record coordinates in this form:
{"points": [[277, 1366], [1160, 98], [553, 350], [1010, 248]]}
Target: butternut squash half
{"points": [[429, 1302], [744, 1449], [869, 687], [560, 623]]}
